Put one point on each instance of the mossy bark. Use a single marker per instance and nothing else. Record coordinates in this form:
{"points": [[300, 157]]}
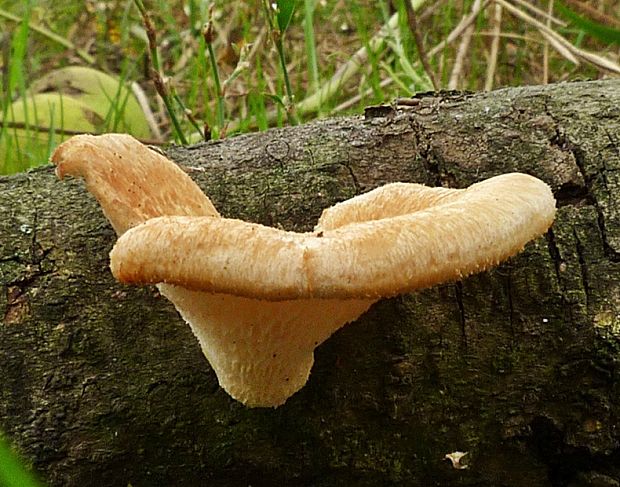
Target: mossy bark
{"points": [[103, 384]]}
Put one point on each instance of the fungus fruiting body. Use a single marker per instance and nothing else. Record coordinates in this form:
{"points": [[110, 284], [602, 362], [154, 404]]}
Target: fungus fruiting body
{"points": [[260, 299]]}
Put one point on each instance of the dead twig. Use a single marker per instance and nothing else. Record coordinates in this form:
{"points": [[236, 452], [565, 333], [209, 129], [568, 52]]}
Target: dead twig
{"points": [[457, 68], [561, 44], [158, 80], [545, 79], [492, 65], [540, 13], [415, 30]]}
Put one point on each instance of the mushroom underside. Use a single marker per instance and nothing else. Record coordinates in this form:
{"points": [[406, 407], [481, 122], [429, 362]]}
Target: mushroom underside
{"points": [[261, 351]]}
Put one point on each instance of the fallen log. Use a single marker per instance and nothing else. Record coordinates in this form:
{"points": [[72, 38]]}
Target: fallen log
{"points": [[103, 384]]}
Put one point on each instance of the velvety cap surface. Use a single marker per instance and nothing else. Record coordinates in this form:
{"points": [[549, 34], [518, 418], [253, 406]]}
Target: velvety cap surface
{"points": [[395, 239]]}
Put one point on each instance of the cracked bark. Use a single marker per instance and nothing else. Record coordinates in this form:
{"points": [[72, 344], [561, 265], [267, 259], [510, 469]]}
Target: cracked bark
{"points": [[104, 385]]}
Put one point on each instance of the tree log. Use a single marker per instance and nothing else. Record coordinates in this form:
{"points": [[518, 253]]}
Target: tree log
{"points": [[103, 384]]}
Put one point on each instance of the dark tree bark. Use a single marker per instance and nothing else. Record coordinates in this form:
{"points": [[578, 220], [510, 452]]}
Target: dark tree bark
{"points": [[103, 384]]}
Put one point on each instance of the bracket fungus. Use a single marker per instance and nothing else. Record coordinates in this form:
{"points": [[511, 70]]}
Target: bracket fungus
{"points": [[260, 299]]}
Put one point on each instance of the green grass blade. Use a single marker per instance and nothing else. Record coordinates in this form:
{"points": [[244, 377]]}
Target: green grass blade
{"points": [[50, 35], [313, 69], [12, 472], [602, 32], [285, 13], [16, 81]]}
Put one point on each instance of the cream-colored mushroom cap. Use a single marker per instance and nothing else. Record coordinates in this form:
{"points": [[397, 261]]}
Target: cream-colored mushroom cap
{"points": [[260, 299], [131, 182], [395, 239]]}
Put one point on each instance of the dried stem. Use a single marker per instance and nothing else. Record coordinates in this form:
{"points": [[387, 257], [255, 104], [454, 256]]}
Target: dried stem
{"points": [[462, 52], [562, 45], [415, 30], [146, 109], [539, 12], [158, 80], [545, 79], [348, 69], [492, 65], [464, 24]]}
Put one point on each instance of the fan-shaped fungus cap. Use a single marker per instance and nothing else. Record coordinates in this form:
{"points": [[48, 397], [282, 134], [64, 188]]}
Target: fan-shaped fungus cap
{"points": [[131, 182], [261, 299]]}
